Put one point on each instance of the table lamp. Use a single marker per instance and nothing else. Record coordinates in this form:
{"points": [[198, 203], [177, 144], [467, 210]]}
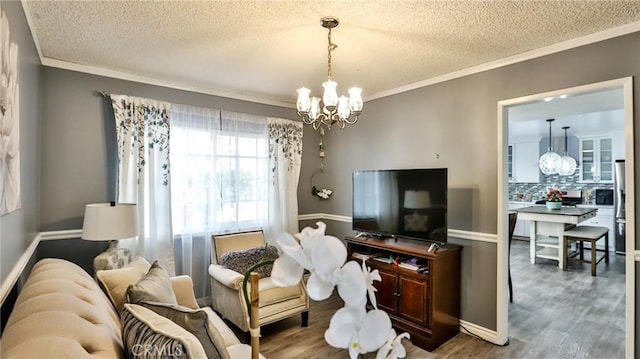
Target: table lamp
{"points": [[110, 222]]}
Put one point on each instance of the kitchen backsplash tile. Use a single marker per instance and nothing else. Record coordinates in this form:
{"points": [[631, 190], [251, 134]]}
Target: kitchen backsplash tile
{"points": [[537, 191]]}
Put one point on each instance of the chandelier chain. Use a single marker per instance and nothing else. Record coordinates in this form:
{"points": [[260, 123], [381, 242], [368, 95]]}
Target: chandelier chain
{"points": [[330, 47]]}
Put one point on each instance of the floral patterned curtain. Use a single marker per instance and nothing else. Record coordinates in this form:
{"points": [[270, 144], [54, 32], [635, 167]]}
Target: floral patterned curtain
{"points": [[285, 158], [142, 131]]}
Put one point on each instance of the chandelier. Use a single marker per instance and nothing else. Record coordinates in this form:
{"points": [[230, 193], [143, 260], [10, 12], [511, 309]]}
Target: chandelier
{"points": [[550, 161], [330, 109]]}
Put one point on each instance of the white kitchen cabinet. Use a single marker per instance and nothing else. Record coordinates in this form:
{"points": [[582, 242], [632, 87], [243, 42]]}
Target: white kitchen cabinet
{"points": [[596, 159], [522, 163], [619, 150]]}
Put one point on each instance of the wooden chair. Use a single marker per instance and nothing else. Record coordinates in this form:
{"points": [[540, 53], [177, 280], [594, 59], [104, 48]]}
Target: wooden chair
{"points": [[513, 217], [589, 234]]}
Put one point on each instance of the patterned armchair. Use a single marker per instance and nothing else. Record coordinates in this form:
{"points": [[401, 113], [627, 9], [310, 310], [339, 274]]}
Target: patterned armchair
{"points": [[276, 303]]}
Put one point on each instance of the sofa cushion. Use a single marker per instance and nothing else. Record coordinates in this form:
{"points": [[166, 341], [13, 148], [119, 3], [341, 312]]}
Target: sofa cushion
{"points": [[241, 261], [155, 286], [147, 334], [115, 282], [195, 322], [61, 313]]}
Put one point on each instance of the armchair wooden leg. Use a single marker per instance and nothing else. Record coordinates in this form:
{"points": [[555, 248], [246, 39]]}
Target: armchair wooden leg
{"points": [[305, 319]]}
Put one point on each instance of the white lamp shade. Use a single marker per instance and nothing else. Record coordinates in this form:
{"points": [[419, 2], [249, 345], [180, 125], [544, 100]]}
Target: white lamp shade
{"points": [[303, 104], [549, 163], [417, 199], [314, 111], [330, 95], [355, 99], [104, 222], [343, 108], [567, 166]]}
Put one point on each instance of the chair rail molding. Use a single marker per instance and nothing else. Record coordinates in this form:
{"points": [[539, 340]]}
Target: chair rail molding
{"points": [[455, 233]]}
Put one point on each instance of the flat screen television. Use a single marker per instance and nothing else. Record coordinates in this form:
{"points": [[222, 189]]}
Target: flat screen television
{"points": [[409, 203]]}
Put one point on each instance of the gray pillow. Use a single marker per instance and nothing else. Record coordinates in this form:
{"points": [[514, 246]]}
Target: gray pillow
{"points": [[196, 322], [147, 335], [155, 286], [241, 261]]}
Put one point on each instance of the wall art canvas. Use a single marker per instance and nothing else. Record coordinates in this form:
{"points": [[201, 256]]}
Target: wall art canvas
{"points": [[9, 121]]}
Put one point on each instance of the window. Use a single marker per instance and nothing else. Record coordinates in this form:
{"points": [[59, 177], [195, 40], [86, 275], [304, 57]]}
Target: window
{"points": [[219, 171]]}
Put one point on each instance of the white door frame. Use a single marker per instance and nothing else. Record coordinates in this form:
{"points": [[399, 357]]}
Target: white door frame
{"points": [[502, 300]]}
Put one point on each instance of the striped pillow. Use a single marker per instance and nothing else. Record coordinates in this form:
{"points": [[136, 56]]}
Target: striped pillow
{"points": [[147, 335], [196, 322]]}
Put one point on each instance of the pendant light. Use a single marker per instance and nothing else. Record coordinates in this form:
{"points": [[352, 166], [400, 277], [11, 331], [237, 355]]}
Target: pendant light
{"points": [[568, 164], [550, 161]]}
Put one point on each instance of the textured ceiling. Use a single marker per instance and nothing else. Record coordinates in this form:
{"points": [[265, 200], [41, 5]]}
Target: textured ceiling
{"points": [[267, 49]]}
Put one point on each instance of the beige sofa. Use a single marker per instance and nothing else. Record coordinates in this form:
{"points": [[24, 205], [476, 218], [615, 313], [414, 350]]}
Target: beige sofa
{"points": [[61, 312]]}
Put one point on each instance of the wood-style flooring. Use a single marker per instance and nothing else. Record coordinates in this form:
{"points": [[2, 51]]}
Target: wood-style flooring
{"points": [[554, 314]]}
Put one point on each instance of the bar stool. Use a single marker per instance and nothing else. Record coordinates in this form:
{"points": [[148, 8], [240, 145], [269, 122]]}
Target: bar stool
{"points": [[583, 234]]}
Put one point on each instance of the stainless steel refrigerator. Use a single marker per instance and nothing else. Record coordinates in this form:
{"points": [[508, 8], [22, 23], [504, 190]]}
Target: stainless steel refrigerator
{"points": [[620, 221]]}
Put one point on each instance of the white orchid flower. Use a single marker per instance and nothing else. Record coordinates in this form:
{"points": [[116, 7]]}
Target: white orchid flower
{"points": [[327, 255], [320, 254], [369, 278], [352, 286], [350, 328], [393, 348]]}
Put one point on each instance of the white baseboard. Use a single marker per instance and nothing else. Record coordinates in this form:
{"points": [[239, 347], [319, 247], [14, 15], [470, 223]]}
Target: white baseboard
{"points": [[481, 332]]}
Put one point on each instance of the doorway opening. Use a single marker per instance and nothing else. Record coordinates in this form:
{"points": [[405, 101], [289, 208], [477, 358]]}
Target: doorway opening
{"points": [[509, 108]]}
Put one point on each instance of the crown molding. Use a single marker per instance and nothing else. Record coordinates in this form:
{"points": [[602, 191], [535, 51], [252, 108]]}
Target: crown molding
{"points": [[543, 51], [100, 71]]}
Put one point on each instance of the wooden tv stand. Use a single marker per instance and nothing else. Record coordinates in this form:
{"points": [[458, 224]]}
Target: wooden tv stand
{"points": [[426, 305]]}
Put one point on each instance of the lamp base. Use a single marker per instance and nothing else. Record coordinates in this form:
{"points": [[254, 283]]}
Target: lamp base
{"points": [[112, 258]]}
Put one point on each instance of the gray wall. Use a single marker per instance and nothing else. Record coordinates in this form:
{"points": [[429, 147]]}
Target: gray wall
{"points": [[19, 228], [77, 128], [451, 124], [454, 124]]}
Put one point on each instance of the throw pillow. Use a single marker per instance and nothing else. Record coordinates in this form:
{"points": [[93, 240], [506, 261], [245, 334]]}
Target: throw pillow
{"points": [[155, 286], [146, 334], [114, 282], [240, 261], [196, 322]]}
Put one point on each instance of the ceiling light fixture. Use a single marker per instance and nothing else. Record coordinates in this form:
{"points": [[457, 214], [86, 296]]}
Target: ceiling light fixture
{"points": [[568, 164], [330, 109], [550, 161]]}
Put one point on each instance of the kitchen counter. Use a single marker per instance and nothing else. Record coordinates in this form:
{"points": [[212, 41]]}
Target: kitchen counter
{"points": [[547, 227], [563, 211]]}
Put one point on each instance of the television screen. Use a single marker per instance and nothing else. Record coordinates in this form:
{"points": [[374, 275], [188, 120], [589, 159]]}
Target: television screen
{"points": [[409, 203]]}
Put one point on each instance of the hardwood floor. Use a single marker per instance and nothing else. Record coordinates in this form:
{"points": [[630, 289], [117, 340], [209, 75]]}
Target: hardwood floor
{"points": [[554, 314]]}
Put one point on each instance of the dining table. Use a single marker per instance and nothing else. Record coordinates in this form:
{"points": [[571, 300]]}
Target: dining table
{"points": [[547, 227]]}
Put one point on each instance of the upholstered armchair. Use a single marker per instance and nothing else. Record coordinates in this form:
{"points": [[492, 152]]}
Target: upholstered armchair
{"points": [[227, 297]]}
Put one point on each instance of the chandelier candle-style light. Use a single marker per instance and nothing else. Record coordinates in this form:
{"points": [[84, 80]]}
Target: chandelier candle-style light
{"points": [[568, 164], [330, 109], [550, 161]]}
